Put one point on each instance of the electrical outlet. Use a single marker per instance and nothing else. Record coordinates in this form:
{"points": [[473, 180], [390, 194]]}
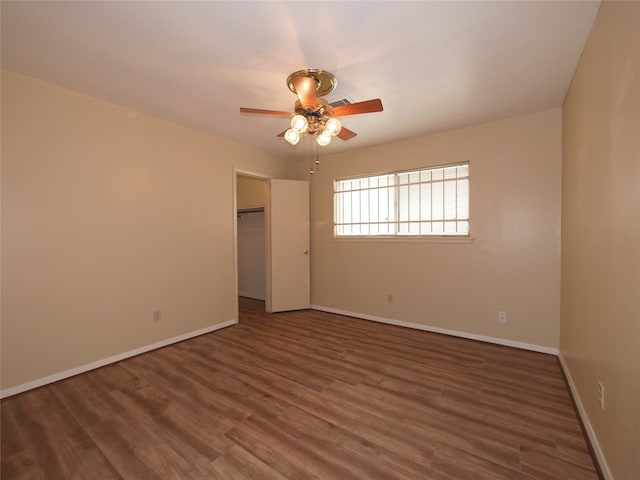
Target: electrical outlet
{"points": [[502, 317], [156, 316], [389, 298], [601, 395]]}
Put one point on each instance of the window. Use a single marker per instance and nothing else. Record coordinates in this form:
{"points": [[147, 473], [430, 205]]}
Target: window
{"points": [[420, 203]]}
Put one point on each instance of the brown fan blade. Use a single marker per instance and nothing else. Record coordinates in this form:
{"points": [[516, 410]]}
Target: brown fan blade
{"points": [[265, 112], [367, 106], [306, 90], [281, 134], [346, 134]]}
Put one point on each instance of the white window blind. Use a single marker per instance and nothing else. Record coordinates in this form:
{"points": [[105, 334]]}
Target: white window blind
{"points": [[425, 202]]}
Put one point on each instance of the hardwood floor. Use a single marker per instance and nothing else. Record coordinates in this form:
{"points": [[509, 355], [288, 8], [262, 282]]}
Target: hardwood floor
{"points": [[305, 395]]}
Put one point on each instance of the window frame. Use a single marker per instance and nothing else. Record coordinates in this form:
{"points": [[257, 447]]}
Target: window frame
{"points": [[407, 237]]}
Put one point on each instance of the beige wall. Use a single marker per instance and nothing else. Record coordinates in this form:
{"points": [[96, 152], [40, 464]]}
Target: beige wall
{"points": [[513, 263], [600, 320], [108, 215], [251, 255], [251, 192]]}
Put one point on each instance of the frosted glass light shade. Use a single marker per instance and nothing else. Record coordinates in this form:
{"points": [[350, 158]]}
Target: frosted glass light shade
{"points": [[299, 123], [333, 126], [324, 138], [292, 136]]}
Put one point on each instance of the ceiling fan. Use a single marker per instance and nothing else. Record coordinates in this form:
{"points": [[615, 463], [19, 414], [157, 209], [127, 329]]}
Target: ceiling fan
{"points": [[312, 114]]}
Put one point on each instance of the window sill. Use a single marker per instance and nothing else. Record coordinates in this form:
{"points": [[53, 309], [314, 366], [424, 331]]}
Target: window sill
{"points": [[407, 239]]}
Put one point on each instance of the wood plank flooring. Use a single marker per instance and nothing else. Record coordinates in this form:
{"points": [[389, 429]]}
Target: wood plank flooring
{"points": [[304, 395]]}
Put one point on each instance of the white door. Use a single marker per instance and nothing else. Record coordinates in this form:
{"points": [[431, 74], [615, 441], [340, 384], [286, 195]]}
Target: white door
{"points": [[288, 246]]}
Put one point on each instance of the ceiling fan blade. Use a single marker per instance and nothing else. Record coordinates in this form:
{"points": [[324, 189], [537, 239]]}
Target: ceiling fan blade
{"points": [[367, 106], [264, 112], [346, 134], [306, 90], [281, 134]]}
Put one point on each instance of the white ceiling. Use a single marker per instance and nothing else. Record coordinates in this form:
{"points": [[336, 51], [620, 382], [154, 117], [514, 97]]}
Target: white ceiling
{"points": [[435, 65]]}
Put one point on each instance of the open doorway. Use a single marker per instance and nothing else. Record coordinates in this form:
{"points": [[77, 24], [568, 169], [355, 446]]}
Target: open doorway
{"points": [[251, 200], [272, 242]]}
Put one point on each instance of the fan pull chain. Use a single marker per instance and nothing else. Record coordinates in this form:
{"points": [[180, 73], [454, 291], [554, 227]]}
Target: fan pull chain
{"points": [[315, 163]]}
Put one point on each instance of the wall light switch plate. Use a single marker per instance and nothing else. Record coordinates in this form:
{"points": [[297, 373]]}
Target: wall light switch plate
{"points": [[601, 395]]}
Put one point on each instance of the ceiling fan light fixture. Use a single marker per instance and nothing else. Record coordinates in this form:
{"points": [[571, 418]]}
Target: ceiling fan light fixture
{"points": [[324, 138], [299, 124], [333, 126], [292, 136], [313, 115]]}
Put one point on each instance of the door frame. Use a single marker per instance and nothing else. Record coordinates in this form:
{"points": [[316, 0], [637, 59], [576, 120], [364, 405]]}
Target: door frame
{"points": [[267, 234]]}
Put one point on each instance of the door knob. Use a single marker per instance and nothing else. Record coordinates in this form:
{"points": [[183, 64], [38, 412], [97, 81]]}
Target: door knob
{"points": [[306, 252]]}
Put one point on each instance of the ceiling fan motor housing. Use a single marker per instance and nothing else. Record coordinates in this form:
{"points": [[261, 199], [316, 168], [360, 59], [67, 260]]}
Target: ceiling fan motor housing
{"points": [[316, 118], [325, 81]]}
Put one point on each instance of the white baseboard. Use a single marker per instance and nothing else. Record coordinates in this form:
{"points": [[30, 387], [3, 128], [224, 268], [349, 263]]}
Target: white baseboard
{"points": [[604, 467], [455, 333], [106, 361]]}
